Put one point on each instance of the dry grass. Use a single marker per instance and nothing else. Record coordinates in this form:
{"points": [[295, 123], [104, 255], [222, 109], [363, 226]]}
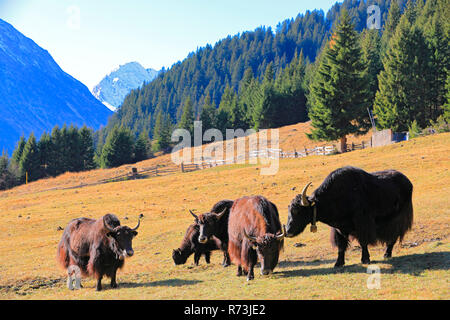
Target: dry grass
{"points": [[419, 269]]}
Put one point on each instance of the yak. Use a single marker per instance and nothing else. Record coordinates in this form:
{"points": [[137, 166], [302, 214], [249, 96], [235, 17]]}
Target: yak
{"points": [[370, 207], [190, 245], [97, 247], [215, 224], [254, 231]]}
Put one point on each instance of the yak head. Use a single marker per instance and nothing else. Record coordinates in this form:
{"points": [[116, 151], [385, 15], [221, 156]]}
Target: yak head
{"points": [[179, 257], [267, 248], [301, 211], [122, 237], [209, 224]]}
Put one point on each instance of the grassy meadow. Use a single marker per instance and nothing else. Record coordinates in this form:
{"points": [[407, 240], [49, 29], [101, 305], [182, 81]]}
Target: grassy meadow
{"points": [[30, 216]]}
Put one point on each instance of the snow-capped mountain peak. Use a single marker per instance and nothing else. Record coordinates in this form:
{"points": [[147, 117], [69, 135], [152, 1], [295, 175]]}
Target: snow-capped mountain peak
{"points": [[113, 89]]}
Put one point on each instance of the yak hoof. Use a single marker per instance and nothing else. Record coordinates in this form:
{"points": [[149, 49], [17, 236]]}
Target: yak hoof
{"points": [[114, 285], [365, 261], [339, 265], [250, 277]]}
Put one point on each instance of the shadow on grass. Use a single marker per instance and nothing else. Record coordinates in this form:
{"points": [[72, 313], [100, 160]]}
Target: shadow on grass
{"points": [[287, 264], [414, 264], [160, 283]]}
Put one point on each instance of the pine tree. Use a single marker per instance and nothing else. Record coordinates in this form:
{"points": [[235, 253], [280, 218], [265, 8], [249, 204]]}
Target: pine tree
{"points": [[208, 115], [340, 88], [56, 159], [391, 24], [161, 133], [438, 43], [73, 150], [187, 117], [45, 148], [29, 164], [266, 95], [404, 94], [141, 147], [371, 49], [87, 148], [17, 153], [7, 178], [118, 148]]}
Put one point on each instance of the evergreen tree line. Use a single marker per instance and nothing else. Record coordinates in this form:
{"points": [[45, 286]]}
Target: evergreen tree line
{"points": [[69, 149], [274, 101], [401, 75], [210, 72]]}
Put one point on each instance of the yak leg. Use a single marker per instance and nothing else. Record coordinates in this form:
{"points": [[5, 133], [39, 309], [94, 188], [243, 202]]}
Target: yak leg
{"points": [[208, 256], [239, 271], [113, 279], [252, 258], [226, 259], [389, 248], [197, 256], [99, 283], [341, 241], [365, 257]]}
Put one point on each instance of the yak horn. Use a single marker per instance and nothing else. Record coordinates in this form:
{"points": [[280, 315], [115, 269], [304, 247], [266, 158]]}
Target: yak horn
{"points": [[219, 215], [253, 239], [106, 225], [305, 201], [193, 214], [283, 233], [139, 222]]}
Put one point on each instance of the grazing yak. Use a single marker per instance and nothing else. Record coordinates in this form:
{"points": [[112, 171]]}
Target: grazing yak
{"points": [[215, 224], [370, 207], [254, 232], [97, 247], [190, 245]]}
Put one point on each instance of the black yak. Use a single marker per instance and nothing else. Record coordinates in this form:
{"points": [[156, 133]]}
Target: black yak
{"points": [[370, 207], [254, 233], [190, 245], [97, 247], [215, 224]]}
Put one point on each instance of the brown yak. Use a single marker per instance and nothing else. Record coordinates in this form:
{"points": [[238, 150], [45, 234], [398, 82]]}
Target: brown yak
{"points": [[97, 247], [254, 232]]}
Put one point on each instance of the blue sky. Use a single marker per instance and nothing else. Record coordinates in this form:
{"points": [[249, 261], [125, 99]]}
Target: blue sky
{"points": [[90, 38]]}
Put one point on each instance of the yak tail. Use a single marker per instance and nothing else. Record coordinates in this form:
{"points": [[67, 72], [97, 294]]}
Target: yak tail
{"points": [[62, 254]]}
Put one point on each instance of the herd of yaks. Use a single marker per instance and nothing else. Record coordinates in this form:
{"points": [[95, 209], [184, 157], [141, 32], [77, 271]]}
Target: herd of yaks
{"points": [[371, 207]]}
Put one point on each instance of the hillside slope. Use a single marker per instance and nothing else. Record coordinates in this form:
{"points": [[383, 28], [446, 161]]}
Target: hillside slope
{"points": [[418, 269], [36, 94], [291, 138]]}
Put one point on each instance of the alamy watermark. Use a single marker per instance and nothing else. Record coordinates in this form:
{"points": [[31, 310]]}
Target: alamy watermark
{"points": [[73, 277], [191, 150], [73, 21], [373, 17], [374, 278]]}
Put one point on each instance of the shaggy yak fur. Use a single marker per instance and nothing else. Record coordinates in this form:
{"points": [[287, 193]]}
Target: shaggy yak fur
{"points": [[190, 245], [213, 225], [254, 231], [370, 207], [97, 247]]}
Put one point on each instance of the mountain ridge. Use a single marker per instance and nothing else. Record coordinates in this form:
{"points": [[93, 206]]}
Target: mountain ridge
{"points": [[37, 94]]}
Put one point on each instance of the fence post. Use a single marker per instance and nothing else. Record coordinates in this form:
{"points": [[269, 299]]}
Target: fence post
{"points": [[156, 170], [353, 146], [362, 144], [182, 167]]}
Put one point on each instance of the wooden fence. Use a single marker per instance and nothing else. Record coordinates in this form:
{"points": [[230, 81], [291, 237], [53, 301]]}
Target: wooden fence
{"points": [[204, 163], [359, 146]]}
